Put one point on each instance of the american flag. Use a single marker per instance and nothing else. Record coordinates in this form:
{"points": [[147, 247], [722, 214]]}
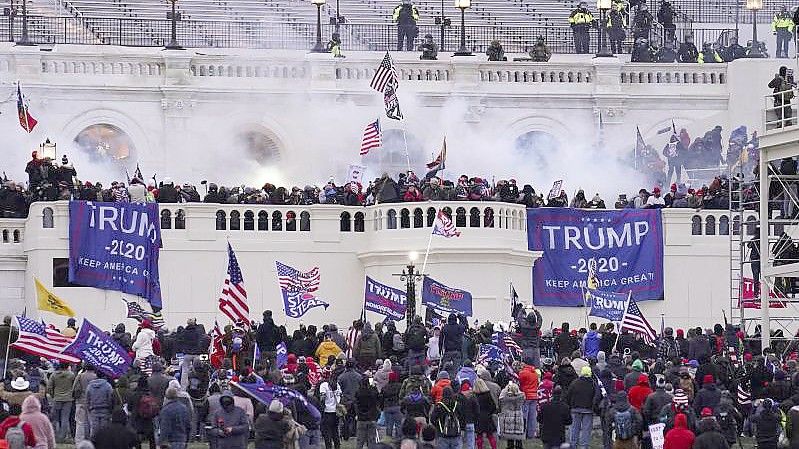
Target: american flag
{"points": [[439, 163], [233, 300], [635, 322], [38, 339], [293, 280], [137, 312], [385, 75], [444, 226], [372, 137], [507, 344], [744, 398], [488, 354]]}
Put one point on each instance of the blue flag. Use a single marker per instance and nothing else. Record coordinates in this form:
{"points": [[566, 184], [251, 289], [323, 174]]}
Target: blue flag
{"points": [[384, 300], [265, 393], [489, 353], [96, 348], [115, 246], [282, 357], [446, 299], [607, 305]]}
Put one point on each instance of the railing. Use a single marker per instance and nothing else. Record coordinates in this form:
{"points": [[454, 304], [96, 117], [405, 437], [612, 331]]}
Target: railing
{"points": [[779, 112]]}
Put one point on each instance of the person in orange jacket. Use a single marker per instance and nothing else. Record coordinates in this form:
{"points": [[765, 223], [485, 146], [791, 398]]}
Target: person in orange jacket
{"points": [[442, 381], [528, 383]]}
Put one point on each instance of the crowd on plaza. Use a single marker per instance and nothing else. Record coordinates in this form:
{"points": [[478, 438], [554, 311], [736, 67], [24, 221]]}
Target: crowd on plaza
{"points": [[430, 386]]}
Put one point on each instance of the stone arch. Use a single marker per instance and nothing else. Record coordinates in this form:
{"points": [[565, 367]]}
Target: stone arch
{"points": [[258, 145], [391, 157], [104, 141], [47, 218], [129, 125]]}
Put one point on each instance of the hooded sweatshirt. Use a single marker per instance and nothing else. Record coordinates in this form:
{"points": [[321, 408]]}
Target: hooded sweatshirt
{"points": [[39, 422], [680, 437], [591, 344], [639, 392]]}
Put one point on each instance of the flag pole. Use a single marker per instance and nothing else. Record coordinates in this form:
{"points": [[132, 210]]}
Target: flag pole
{"points": [[407, 156], [585, 306], [427, 252], [8, 347], [626, 306]]}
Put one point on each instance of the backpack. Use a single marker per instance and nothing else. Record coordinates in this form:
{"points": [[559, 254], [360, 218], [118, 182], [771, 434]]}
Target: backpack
{"points": [[623, 422], [15, 437], [786, 87], [148, 406], [450, 425], [397, 343]]}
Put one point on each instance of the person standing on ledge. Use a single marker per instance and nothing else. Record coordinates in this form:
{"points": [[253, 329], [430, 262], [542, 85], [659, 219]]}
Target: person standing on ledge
{"points": [[406, 15], [580, 21]]}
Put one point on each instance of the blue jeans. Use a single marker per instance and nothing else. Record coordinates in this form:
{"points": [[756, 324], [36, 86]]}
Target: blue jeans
{"points": [[61, 411], [311, 439], [469, 435], [393, 417], [449, 443], [530, 410], [582, 421]]}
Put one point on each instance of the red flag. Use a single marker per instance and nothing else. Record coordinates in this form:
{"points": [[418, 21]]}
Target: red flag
{"points": [[25, 120]]}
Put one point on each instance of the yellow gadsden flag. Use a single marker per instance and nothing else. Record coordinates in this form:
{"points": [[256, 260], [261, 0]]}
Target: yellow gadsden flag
{"points": [[50, 302]]}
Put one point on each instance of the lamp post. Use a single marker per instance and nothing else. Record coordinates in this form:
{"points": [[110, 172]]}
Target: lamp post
{"points": [[11, 13], [463, 5], [603, 6], [48, 149], [318, 48], [754, 6], [24, 40], [411, 277], [174, 16], [443, 23]]}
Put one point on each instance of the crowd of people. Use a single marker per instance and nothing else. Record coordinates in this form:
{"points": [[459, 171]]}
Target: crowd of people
{"points": [[431, 386]]}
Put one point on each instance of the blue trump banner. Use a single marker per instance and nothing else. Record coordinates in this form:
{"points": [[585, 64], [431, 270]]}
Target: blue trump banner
{"points": [[115, 246], [624, 248], [384, 300], [96, 348], [446, 299], [265, 393], [281, 354], [607, 305]]}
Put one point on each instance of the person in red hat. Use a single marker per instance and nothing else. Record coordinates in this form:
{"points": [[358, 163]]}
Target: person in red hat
{"points": [[709, 396], [682, 342], [679, 437], [655, 201]]}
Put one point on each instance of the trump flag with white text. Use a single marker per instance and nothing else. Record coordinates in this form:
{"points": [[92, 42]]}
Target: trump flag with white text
{"points": [[623, 247]]}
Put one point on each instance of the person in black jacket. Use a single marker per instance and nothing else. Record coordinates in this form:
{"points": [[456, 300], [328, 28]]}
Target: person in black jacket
{"points": [[117, 434], [709, 435], [709, 396], [553, 419], [451, 344], [780, 389], [529, 331], [167, 193], [688, 52], [580, 397], [470, 409], [267, 336], [367, 400], [193, 342], [391, 406], [271, 427], [767, 422], [565, 344]]}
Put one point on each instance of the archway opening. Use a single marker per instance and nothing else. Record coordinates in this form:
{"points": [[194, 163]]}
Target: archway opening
{"points": [[103, 142], [537, 147]]}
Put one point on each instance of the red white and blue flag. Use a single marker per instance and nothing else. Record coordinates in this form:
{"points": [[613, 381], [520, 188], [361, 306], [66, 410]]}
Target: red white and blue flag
{"points": [[26, 121], [297, 288], [635, 322], [233, 300], [444, 226], [372, 137], [439, 163], [36, 338]]}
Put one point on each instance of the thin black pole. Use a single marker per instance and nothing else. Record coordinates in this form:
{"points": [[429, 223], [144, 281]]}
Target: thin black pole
{"points": [[24, 40]]}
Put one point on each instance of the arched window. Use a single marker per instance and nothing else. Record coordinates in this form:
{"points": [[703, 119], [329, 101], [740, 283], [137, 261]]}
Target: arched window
{"points": [[431, 216], [460, 217], [474, 217], [103, 142], [751, 225], [235, 220], [47, 218], [344, 225], [221, 220], [291, 221], [6, 236], [418, 218], [358, 221], [249, 220], [405, 218], [305, 221], [391, 219], [17, 235], [736, 225], [166, 219], [447, 211], [513, 219], [538, 147], [488, 218], [277, 221], [724, 225], [180, 219], [263, 220], [710, 225], [696, 225], [260, 146]]}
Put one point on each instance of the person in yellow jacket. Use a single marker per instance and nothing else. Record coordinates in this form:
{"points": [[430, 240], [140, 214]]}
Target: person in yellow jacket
{"points": [[406, 15], [327, 348], [782, 26], [581, 21], [708, 55]]}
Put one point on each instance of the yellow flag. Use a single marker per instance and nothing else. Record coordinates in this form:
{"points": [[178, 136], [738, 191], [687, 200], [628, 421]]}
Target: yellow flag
{"points": [[51, 303]]}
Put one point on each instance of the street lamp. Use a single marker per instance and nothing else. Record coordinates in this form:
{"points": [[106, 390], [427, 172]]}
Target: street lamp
{"points": [[318, 48], [754, 6], [463, 5], [48, 149], [411, 277], [603, 6], [174, 16]]}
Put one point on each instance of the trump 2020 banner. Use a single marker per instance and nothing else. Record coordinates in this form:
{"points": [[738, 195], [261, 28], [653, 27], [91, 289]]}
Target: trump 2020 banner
{"points": [[96, 348], [384, 300], [115, 246], [607, 305], [446, 299], [624, 248]]}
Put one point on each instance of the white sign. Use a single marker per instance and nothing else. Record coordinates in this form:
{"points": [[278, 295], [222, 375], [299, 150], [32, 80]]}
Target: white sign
{"points": [[554, 192], [356, 174], [656, 434]]}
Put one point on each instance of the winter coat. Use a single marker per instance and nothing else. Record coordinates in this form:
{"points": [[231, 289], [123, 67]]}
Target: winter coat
{"points": [[553, 418], [564, 376], [60, 385], [270, 428], [368, 348], [511, 418], [236, 419], [767, 430], [591, 344], [469, 407], [621, 406], [116, 436], [326, 349], [792, 430], [174, 422], [698, 348], [709, 396], [366, 403], [680, 437], [487, 406], [654, 404], [580, 394], [639, 392], [99, 396], [143, 346], [452, 335], [528, 382], [437, 391], [349, 381], [39, 422], [415, 405], [709, 436], [27, 429]]}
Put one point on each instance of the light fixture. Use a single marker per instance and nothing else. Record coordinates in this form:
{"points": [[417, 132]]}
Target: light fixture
{"points": [[603, 6], [173, 16], [48, 149], [318, 48], [754, 6], [413, 256]]}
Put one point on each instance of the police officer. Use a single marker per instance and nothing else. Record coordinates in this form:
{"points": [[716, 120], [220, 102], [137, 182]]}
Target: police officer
{"points": [[666, 53], [782, 26], [495, 52], [540, 52], [406, 15], [616, 25], [642, 23], [688, 51], [733, 51], [708, 55], [428, 48], [580, 21], [334, 45], [666, 16]]}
